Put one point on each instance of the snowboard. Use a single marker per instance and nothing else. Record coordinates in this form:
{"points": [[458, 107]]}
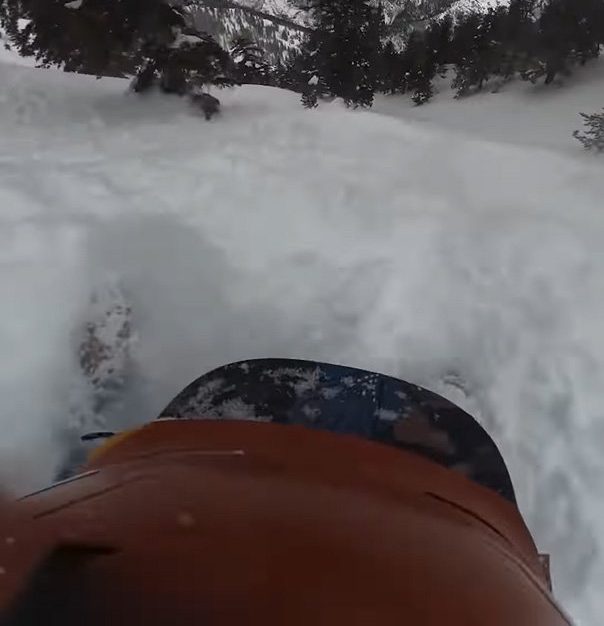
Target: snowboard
{"points": [[348, 401]]}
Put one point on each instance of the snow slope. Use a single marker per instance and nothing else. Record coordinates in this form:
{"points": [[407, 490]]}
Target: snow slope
{"points": [[385, 242], [520, 113], [277, 40]]}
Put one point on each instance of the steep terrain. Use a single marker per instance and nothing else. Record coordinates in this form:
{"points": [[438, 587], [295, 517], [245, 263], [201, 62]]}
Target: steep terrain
{"points": [[224, 19], [424, 243]]}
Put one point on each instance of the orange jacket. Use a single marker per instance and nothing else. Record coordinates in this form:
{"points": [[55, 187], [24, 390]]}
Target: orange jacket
{"points": [[224, 523]]}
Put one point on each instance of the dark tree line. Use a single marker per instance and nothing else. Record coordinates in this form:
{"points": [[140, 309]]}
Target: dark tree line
{"points": [[346, 56], [343, 54], [530, 39]]}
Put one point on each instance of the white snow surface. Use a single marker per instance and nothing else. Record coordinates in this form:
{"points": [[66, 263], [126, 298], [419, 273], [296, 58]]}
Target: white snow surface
{"points": [[519, 113], [461, 242]]}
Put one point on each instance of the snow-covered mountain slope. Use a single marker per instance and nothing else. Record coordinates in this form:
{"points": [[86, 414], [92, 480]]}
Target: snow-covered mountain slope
{"points": [[519, 113], [281, 38], [430, 249], [419, 9], [277, 40]]}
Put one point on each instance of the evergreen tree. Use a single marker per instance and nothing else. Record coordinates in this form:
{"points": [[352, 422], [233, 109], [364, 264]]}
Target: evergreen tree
{"points": [[89, 36], [569, 32], [147, 38], [294, 73], [586, 20], [519, 38], [495, 41], [419, 68], [345, 47], [310, 97], [249, 63], [478, 47], [391, 69], [555, 40], [593, 137], [426, 54], [439, 36], [186, 65]]}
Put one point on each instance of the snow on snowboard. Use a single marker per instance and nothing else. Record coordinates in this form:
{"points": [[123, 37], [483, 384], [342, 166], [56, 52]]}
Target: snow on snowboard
{"points": [[347, 401]]}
